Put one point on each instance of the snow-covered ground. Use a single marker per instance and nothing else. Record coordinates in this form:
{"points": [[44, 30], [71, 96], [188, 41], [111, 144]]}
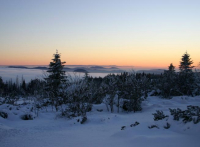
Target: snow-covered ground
{"points": [[102, 129]]}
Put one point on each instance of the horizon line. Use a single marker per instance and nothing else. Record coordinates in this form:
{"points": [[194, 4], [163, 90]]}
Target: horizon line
{"points": [[131, 66]]}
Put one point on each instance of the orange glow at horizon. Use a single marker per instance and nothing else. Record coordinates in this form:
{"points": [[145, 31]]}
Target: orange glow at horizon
{"points": [[143, 56], [144, 59]]}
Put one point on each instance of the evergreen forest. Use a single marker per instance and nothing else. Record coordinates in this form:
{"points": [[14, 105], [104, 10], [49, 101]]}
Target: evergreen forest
{"points": [[74, 97]]}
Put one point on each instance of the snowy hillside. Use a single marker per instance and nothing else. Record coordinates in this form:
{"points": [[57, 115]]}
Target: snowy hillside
{"points": [[102, 129]]}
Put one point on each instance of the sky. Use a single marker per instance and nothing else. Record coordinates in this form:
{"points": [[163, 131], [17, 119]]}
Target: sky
{"points": [[148, 33]]}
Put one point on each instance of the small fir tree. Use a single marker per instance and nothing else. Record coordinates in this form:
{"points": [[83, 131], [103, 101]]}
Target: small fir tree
{"points": [[1, 86], [171, 68], [131, 92], [167, 85]]}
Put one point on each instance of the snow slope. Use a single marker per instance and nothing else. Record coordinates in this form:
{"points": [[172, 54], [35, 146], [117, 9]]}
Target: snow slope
{"points": [[102, 129]]}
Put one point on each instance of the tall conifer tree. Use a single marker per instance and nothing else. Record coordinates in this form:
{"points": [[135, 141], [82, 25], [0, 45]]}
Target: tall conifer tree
{"points": [[186, 63], [56, 78], [186, 75]]}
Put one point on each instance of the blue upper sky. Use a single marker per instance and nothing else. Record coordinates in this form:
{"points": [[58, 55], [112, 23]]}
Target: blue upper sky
{"points": [[102, 32]]}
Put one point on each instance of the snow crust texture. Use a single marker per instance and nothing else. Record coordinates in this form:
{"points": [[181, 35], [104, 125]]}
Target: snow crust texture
{"points": [[102, 129]]}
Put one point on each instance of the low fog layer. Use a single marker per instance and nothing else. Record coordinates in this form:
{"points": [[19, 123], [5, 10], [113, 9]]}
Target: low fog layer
{"points": [[32, 72]]}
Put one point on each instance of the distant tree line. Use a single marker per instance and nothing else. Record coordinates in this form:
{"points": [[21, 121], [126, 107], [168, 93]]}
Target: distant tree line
{"points": [[20, 89]]}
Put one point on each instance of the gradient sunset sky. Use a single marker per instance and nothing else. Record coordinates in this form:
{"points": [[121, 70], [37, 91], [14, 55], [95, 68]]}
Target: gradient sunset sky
{"points": [[149, 33]]}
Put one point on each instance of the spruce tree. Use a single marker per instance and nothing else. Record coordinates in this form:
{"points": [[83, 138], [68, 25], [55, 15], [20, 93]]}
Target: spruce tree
{"points": [[186, 75], [171, 68], [56, 79], [168, 84], [186, 63]]}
